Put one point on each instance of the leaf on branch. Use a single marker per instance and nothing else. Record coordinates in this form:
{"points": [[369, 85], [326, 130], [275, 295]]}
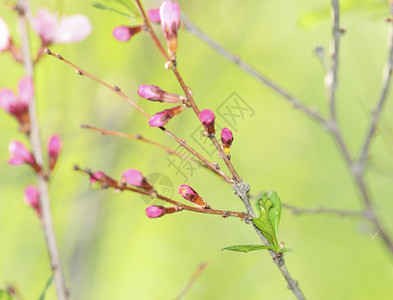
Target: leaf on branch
{"points": [[247, 248], [48, 284], [269, 208]]}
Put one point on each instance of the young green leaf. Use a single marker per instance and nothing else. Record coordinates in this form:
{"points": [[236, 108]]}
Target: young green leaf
{"points": [[48, 284], [104, 7], [247, 248]]}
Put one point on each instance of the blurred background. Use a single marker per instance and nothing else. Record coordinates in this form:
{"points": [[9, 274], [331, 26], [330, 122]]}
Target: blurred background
{"points": [[111, 250]]}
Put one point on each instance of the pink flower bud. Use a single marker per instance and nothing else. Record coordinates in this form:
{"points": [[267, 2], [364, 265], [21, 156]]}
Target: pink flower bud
{"points": [[99, 180], [154, 93], [226, 139], [32, 198], [70, 29], [190, 194], [154, 15], [5, 39], [170, 23], [54, 147], [207, 118], [155, 211], [161, 118], [18, 106], [124, 33], [20, 155], [135, 178]]}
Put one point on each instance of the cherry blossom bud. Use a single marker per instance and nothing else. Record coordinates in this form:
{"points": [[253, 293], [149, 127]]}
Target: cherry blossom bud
{"points": [[161, 118], [70, 29], [32, 198], [99, 180], [154, 93], [154, 15], [135, 178], [207, 118], [18, 106], [20, 155], [170, 23], [54, 147], [156, 211], [5, 39], [226, 139], [124, 33], [190, 194]]}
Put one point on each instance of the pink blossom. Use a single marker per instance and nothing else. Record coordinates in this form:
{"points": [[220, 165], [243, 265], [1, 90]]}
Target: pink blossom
{"points": [[20, 154], [70, 29], [32, 198], [163, 117], [154, 15], [5, 39], [54, 147], [170, 23], [154, 93], [226, 137], [135, 178], [124, 33], [190, 194], [155, 211], [18, 106], [97, 177], [207, 118]]}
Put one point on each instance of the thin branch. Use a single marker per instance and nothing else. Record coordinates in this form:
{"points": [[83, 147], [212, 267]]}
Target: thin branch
{"points": [[35, 139], [109, 182], [252, 71], [296, 210], [118, 91], [331, 76], [386, 82], [190, 283]]}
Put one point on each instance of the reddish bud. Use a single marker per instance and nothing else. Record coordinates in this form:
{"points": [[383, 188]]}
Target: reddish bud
{"points": [[32, 198], [54, 147], [135, 178], [156, 211], [124, 33], [207, 118], [99, 180], [154, 15], [190, 194], [18, 106], [226, 139], [161, 118], [154, 93], [5, 39], [20, 155], [170, 23]]}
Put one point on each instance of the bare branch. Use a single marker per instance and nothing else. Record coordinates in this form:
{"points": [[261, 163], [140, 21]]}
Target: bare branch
{"points": [[296, 210]]}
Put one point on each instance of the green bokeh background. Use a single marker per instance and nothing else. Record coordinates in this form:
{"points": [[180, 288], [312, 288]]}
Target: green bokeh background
{"points": [[111, 250]]}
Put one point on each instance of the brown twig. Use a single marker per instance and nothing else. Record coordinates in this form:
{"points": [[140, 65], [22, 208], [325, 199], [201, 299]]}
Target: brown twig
{"points": [[119, 186], [35, 139], [296, 210], [194, 277], [118, 91]]}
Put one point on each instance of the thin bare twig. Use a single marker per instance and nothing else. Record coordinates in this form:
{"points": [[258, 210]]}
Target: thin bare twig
{"points": [[296, 210], [386, 82], [194, 277], [252, 71], [35, 139]]}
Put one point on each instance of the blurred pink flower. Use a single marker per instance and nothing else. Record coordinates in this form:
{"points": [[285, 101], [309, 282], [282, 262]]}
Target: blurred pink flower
{"points": [[154, 93], [54, 147], [32, 198], [5, 39], [20, 154], [70, 29], [154, 15], [170, 23]]}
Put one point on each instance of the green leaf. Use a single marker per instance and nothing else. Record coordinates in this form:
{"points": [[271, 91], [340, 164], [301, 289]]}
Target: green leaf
{"points": [[4, 295], [104, 7], [247, 248], [269, 208], [48, 284]]}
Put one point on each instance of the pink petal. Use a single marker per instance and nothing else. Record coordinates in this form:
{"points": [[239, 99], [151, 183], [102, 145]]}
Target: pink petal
{"points": [[159, 119], [7, 98], [44, 24], [32, 198], [133, 177], [154, 15], [54, 146], [170, 18], [26, 90], [155, 211], [122, 33], [4, 36], [72, 29], [19, 154]]}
